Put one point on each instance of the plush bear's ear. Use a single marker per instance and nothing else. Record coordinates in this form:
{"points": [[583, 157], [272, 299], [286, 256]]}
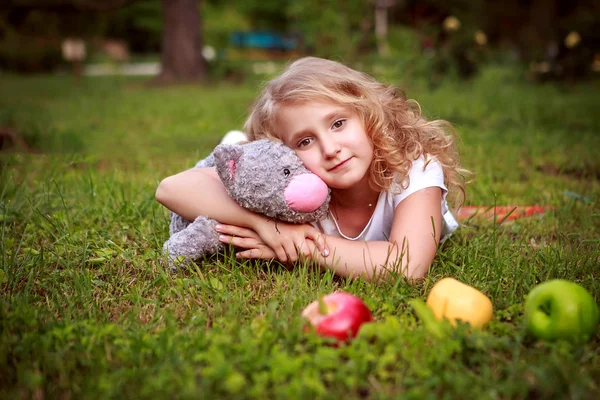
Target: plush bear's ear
{"points": [[227, 157]]}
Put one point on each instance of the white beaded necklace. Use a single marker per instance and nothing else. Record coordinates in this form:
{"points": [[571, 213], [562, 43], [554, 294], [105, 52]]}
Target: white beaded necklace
{"points": [[333, 217]]}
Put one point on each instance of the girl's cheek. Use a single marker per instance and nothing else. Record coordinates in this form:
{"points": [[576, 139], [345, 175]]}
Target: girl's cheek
{"points": [[315, 170], [309, 161], [321, 174]]}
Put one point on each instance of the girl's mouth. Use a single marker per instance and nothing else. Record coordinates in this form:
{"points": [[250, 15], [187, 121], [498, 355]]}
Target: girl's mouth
{"points": [[340, 165]]}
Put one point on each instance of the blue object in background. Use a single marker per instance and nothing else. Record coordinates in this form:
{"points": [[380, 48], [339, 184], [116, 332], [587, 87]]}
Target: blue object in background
{"points": [[265, 40], [577, 196]]}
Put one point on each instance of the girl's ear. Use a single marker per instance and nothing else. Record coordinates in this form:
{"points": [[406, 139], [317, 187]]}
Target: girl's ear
{"points": [[227, 158]]}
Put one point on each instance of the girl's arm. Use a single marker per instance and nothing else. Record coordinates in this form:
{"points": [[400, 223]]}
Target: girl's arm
{"points": [[412, 246], [199, 191]]}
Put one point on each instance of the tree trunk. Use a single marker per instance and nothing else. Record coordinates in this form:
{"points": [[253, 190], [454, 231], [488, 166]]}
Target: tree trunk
{"points": [[381, 28], [181, 57]]}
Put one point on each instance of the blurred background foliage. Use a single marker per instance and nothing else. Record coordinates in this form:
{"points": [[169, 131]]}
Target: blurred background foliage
{"points": [[548, 39]]}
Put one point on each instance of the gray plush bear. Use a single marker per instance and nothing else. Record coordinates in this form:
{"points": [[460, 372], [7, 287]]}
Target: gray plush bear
{"points": [[263, 176]]}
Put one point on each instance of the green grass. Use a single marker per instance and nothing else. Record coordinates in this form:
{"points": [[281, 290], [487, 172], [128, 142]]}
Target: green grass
{"points": [[88, 311]]}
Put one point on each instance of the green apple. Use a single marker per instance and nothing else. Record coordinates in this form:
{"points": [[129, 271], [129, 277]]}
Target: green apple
{"points": [[560, 309]]}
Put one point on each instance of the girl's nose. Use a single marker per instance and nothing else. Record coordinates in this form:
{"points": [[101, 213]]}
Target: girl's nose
{"points": [[330, 147]]}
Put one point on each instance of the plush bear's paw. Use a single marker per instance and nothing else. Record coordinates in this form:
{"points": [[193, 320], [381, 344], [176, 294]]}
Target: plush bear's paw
{"points": [[192, 243], [234, 137], [174, 262]]}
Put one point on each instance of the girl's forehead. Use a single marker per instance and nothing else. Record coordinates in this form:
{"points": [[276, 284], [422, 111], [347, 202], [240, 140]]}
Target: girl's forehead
{"points": [[295, 116], [309, 112], [310, 104]]}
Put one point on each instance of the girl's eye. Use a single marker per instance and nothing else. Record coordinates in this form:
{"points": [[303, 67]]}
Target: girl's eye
{"points": [[304, 142], [338, 124]]}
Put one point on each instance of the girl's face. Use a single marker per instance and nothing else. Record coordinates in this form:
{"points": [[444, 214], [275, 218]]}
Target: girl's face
{"points": [[330, 140]]}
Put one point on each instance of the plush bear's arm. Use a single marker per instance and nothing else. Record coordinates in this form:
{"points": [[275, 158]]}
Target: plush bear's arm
{"points": [[178, 223], [195, 241]]}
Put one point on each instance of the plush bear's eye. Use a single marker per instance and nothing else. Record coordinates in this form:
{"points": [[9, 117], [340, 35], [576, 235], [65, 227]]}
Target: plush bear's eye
{"points": [[286, 172]]}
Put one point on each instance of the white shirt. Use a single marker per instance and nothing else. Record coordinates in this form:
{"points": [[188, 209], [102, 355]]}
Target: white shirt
{"points": [[379, 226]]}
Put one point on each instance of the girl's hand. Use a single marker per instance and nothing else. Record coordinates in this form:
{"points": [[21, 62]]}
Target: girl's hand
{"points": [[247, 239], [290, 240], [286, 241]]}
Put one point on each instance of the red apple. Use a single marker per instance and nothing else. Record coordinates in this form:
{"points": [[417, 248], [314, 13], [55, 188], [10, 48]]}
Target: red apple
{"points": [[338, 315]]}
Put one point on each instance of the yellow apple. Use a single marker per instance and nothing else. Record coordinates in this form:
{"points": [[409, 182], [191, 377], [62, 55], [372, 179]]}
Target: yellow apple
{"points": [[455, 300]]}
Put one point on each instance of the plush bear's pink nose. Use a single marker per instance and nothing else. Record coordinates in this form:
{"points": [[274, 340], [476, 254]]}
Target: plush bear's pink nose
{"points": [[305, 193]]}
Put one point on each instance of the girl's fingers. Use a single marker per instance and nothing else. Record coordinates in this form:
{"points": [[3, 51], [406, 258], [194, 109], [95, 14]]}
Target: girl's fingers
{"points": [[254, 249], [309, 249], [233, 230], [262, 254], [292, 252], [246, 243], [319, 241], [248, 254], [281, 254], [286, 251], [249, 240]]}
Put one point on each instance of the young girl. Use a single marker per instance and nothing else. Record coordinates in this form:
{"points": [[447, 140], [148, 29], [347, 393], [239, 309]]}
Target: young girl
{"points": [[389, 171]]}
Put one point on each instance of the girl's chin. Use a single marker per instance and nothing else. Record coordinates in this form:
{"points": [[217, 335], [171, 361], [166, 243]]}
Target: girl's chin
{"points": [[341, 185], [346, 181]]}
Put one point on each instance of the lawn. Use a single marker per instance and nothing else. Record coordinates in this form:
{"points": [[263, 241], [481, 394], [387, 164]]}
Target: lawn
{"points": [[87, 309]]}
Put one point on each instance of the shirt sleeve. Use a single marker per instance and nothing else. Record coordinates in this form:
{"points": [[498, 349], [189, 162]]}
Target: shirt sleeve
{"points": [[421, 178]]}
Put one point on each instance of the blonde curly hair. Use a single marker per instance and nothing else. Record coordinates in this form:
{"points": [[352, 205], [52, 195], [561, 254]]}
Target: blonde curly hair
{"points": [[394, 123]]}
